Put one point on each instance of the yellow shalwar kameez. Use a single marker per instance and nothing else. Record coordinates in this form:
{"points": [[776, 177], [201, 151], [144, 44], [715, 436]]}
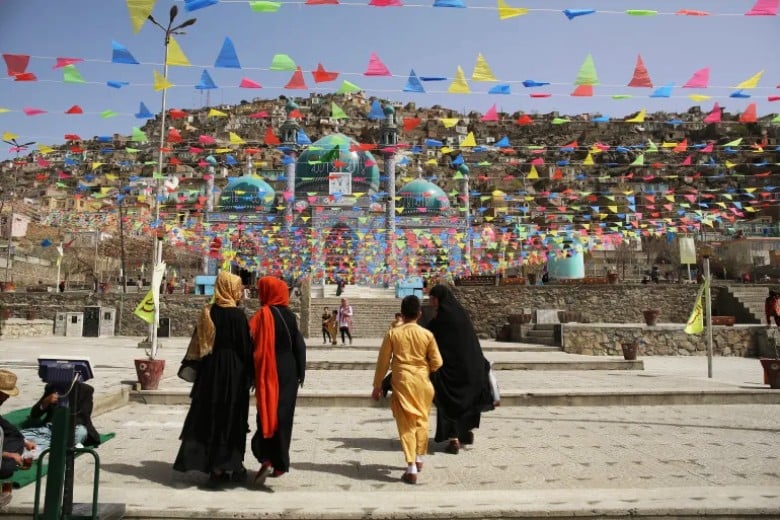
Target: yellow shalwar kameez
{"points": [[414, 354]]}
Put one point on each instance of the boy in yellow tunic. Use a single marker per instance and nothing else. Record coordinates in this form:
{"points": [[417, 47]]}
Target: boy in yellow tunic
{"points": [[410, 351]]}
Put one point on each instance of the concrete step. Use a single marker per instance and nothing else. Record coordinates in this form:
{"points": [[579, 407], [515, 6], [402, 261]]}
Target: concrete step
{"points": [[544, 326], [543, 341]]}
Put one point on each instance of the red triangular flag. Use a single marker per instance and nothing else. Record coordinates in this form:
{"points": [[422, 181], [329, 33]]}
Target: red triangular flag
{"points": [[491, 114], [25, 76], [525, 119], [270, 137], [175, 113], [640, 78], [296, 81], [540, 95], [72, 137], [682, 147], [295, 114], [248, 83], [583, 91], [63, 62], [558, 175], [573, 144], [174, 136], [258, 115], [410, 123], [75, 109], [16, 63], [321, 75], [749, 115]]}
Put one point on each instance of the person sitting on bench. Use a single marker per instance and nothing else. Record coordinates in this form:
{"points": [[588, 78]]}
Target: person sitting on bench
{"points": [[13, 440]]}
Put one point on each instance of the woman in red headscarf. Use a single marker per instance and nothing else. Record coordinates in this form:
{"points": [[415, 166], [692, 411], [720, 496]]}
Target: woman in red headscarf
{"points": [[280, 368]]}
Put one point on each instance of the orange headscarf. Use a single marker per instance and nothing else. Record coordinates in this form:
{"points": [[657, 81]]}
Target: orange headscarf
{"points": [[272, 291]]}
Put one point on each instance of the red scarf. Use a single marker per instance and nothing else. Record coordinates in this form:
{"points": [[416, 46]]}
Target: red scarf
{"points": [[272, 291]]}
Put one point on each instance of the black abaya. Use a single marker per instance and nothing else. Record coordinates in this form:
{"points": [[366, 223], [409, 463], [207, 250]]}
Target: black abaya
{"points": [[214, 433], [461, 384], [290, 350]]}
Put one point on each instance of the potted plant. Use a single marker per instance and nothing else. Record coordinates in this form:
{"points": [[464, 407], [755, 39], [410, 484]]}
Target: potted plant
{"points": [[651, 316], [149, 369], [771, 366], [629, 350]]}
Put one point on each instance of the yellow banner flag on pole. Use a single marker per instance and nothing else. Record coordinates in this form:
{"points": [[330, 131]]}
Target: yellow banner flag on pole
{"points": [[695, 323], [145, 309]]}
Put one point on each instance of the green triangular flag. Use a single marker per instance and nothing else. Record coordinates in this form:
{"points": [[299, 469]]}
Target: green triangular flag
{"points": [[639, 161], [131, 150], [138, 135], [560, 121], [735, 142], [641, 12], [587, 74], [651, 147], [336, 112], [282, 62], [105, 114], [71, 75], [622, 96], [776, 119], [264, 6], [348, 88]]}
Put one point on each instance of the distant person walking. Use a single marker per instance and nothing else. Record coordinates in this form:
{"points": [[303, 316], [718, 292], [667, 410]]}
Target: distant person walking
{"points": [[333, 327], [280, 368], [325, 322], [772, 308], [412, 355], [462, 385], [213, 439], [345, 321]]}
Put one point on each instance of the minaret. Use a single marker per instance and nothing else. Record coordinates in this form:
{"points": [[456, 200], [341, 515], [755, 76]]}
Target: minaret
{"points": [[464, 170], [289, 131], [388, 143]]}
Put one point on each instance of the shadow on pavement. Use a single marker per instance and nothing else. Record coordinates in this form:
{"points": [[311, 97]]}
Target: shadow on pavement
{"points": [[159, 472], [354, 470], [368, 443]]}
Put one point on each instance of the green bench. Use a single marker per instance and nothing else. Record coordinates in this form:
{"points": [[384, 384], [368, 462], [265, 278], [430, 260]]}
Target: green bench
{"points": [[21, 419]]}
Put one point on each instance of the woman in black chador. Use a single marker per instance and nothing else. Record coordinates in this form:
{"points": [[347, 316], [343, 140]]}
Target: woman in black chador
{"points": [[213, 439], [462, 385]]}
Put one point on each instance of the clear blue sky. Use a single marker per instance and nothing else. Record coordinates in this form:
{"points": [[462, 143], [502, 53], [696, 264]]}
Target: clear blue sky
{"points": [[432, 41]]}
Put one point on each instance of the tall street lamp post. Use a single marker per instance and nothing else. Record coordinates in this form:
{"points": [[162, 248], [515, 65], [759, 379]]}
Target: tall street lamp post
{"points": [[169, 30]]}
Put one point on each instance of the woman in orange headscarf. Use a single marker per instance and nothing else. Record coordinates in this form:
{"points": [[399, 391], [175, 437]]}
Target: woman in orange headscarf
{"points": [[213, 439], [280, 368]]}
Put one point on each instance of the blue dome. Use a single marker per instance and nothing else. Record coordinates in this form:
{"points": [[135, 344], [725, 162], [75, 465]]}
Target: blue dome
{"points": [[421, 194], [247, 193]]}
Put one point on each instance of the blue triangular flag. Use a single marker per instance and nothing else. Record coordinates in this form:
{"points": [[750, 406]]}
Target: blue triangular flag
{"points": [[500, 89], [413, 84], [457, 161], [433, 143], [571, 14], [529, 83], [206, 83], [143, 112], [302, 138], [194, 5], [600, 119], [376, 111], [230, 160], [432, 78], [120, 54], [287, 160], [503, 143], [448, 3], [117, 84], [665, 91], [739, 94], [227, 59]]}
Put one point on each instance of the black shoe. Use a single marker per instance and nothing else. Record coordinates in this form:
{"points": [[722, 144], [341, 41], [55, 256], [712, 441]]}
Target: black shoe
{"points": [[468, 438], [238, 477], [453, 447]]}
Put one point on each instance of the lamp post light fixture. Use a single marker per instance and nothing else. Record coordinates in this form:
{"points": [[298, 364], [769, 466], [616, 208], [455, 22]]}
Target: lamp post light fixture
{"points": [[168, 30]]}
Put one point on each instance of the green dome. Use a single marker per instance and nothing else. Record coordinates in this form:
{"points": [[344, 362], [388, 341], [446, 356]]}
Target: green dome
{"points": [[247, 193], [316, 163], [423, 194]]}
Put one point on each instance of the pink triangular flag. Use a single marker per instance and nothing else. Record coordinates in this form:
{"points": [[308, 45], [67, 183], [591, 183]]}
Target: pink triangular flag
{"points": [[764, 8], [641, 78], [773, 98], [687, 161], [707, 149], [700, 79], [376, 67], [64, 62], [33, 111], [206, 139], [386, 3], [714, 116], [491, 114], [248, 83]]}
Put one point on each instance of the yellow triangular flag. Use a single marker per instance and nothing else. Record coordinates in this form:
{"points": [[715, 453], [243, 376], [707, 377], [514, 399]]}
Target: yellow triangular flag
{"points": [[695, 323], [588, 160], [504, 11], [699, 97], [8, 136], [482, 70], [533, 174], [145, 309], [176, 56], [730, 164], [469, 141], [459, 85], [449, 122], [216, 113], [751, 82], [639, 118], [139, 11], [161, 82], [43, 149], [235, 139]]}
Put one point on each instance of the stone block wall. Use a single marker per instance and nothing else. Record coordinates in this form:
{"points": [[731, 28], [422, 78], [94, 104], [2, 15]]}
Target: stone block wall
{"points": [[21, 328], [661, 340]]}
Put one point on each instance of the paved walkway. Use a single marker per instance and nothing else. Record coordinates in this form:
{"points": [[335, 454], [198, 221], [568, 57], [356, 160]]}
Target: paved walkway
{"points": [[528, 462]]}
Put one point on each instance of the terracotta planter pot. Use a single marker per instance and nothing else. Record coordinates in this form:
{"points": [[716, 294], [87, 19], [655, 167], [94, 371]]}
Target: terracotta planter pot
{"points": [[771, 368], [651, 316], [728, 321], [612, 278], [629, 350], [149, 372], [531, 278]]}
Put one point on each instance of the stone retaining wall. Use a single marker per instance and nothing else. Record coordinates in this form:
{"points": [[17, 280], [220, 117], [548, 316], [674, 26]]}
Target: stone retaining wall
{"points": [[662, 340], [21, 328]]}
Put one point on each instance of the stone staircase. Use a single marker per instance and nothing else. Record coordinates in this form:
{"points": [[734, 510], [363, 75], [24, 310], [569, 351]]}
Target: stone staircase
{"points": [[372, 315], [542, 334], [751, 299]]}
